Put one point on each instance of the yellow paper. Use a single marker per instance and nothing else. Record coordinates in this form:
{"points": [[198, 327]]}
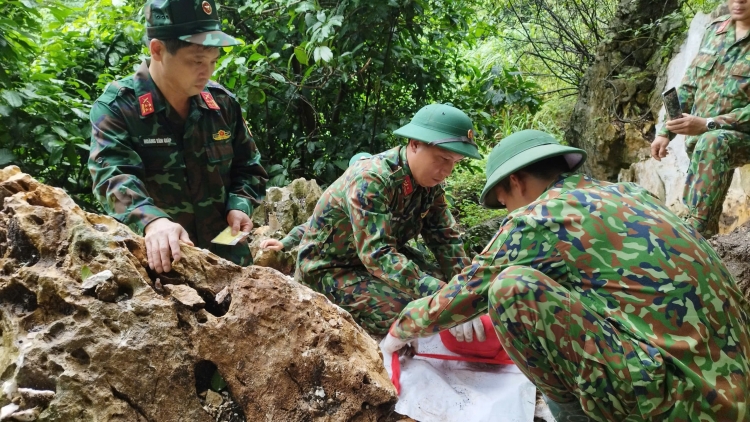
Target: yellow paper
{"points": [[226, 238]]}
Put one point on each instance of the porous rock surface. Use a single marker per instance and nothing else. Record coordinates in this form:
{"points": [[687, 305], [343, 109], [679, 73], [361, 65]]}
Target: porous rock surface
{"points": [[285, 352]]}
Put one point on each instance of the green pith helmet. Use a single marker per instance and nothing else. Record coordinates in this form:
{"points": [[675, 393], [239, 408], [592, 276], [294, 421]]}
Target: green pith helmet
{"points": [[444, 126], [194, 21], [520, 150], [358, 156]]}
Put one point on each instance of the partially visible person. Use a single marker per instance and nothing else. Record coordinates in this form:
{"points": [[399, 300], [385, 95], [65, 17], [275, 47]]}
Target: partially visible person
{"points": [[716, 91], [612, 305], [294, 236], [171, 156], [355, 249]]}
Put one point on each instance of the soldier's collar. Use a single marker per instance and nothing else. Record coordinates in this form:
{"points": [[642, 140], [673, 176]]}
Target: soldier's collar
{"points": [[403, 162], [146, 91]]}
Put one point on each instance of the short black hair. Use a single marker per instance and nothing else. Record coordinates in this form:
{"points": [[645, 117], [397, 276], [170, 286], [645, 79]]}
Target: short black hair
{"points": [[174, 45], [546, 169]]}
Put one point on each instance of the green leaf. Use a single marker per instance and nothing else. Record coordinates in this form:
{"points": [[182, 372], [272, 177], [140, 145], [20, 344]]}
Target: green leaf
{"points": [[278, 77], [322, 53], [6, 157], [83, 94], [217, 382], [85, 273], [12, 98], [301, 55]]}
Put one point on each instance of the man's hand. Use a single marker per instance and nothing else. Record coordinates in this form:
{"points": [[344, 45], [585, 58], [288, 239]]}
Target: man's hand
{"points": [[162, 240], [687, 125], [239, 221], [659, 147], [272, 244], [467, 331]]}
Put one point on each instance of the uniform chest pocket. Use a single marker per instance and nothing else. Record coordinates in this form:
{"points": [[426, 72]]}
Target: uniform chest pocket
{"points": [[220, 152], [741, 80], [704, 63], [160, 156]]}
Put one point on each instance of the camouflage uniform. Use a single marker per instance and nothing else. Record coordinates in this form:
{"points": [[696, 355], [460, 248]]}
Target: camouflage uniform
{"points": [[603, 296], [148, 163], [716, 85], [294, 237], [354, 250]]}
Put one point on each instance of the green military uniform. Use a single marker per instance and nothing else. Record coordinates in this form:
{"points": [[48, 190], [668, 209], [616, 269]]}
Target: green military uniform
{"points": [[354, 249], [604, 297], [716, 86], [149, 163]]}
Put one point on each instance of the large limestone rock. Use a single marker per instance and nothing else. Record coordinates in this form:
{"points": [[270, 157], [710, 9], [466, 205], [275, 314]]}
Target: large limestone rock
{"points": [[666, 178], [290, 206], [282, 210], [75, 350]]}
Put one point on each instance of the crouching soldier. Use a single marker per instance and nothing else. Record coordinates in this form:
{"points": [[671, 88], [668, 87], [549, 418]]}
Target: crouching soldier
{"points": [[354, 250], [612, 305]]}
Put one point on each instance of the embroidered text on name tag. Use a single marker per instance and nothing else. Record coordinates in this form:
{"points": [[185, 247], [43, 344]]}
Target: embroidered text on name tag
{"points": [[157, 141]]}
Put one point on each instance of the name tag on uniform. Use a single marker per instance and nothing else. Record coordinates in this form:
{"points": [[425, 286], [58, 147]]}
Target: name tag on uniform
{"points": [[157, 141]]}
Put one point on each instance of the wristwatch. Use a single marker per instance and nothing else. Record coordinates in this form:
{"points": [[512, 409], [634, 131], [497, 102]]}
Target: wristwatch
{"points": [[711, 125]]}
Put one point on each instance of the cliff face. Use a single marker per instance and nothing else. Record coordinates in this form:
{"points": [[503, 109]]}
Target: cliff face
{"points": [[90, 334], [614, 117]]}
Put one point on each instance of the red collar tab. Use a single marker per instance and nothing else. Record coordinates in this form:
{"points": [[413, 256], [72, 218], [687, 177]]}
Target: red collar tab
{"points": [[209, 100], [408, 186], [723, 26], [147, 104]]}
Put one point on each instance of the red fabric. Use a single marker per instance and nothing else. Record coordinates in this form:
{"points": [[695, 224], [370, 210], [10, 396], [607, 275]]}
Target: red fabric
{"points": [[488, 351]]}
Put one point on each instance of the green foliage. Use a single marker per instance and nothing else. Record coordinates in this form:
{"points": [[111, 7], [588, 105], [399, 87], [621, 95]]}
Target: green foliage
{"points": [[59, 59], [318, 80]]}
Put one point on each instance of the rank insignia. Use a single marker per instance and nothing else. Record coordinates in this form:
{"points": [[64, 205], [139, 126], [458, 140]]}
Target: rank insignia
{"points": [[222, 135], [209, 100], [408, 186], [147, 104]]}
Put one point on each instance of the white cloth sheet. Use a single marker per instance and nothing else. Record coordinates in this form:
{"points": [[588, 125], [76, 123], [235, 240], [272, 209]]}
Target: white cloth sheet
{"points": [[435, 390]]}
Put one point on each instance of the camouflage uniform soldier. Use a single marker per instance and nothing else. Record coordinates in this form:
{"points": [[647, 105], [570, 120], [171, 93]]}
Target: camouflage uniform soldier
{"points": [[715, 90], [611, 304], [294, 236], [171, 156], [354, 250]]}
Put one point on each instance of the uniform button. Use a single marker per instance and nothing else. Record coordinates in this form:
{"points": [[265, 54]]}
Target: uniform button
{"points": [[99, 160]]}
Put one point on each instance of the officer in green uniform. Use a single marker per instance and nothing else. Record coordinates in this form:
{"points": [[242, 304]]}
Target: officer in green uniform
{"points": [[355, 248], [171, 156], [716, 91], [614, 307]]}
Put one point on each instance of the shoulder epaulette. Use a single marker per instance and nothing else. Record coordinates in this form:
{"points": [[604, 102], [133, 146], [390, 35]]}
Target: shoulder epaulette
{"points": [[115, 89], [218, 87]]}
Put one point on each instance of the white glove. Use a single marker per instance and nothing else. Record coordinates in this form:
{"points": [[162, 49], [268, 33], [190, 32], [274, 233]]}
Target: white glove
{"points": [[391, 344], [467, 331]]}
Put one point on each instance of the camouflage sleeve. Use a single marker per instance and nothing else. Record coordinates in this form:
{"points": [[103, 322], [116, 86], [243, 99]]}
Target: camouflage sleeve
{"points": [[293, 238], [248, 178], [117, 171], [370, 216], [441, 236], [466, 295]]}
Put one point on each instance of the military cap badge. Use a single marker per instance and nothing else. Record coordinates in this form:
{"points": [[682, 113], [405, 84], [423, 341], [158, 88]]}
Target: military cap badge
{"points": [[206, 7]]}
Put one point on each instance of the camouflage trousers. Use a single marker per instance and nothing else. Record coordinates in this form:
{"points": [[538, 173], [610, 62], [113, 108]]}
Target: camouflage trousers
{"points": [[373, 303], [713, 158], [572, 354]]}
